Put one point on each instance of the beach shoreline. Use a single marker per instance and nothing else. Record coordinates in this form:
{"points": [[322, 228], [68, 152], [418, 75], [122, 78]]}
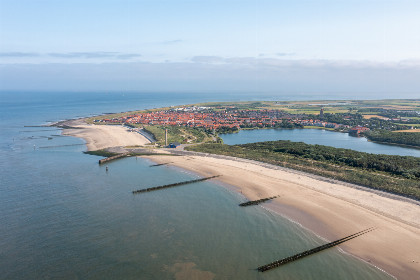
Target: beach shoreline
{"points": [[331, 213], [100, 137], [329, 209]]}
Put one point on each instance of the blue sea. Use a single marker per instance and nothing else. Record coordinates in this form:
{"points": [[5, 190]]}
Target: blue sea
{"points": [[62, 216]]}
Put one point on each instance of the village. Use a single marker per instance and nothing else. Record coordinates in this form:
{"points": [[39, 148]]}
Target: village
{"points": [[231, 118]]}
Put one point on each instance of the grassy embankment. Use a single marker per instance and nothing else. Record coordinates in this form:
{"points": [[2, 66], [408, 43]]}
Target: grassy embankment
{"points": [[395, 174]]}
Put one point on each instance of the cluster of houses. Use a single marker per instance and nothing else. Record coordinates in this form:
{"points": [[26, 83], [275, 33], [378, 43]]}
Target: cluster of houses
{"points": [[357, 130], [212, 119]]}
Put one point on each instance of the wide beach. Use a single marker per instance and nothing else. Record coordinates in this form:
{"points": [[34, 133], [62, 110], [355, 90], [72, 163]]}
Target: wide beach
{"points": [[330, 209], [99, 137]]}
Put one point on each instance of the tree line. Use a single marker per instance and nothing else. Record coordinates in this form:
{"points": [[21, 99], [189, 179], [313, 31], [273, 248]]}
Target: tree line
{"points": [[385, 136]]}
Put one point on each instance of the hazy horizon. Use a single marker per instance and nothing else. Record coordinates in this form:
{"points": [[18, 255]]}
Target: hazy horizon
{"points": [[365, 48]]}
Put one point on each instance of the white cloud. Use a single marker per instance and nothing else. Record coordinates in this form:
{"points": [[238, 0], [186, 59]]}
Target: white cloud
{"points": [[332, 78], [18, 54], [62, 57], [261, 62]]}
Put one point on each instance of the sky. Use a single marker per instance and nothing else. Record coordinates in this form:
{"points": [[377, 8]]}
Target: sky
{"points": [[320, 46]]}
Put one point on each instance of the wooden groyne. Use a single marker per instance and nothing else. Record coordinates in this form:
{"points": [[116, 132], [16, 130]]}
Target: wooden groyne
{"points": [[104, 160], [159, 164], [174, 185], [256, 202], [310, 252]]}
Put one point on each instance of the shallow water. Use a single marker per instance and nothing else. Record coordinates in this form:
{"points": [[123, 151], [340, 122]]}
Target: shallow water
{"points": [[63, 216], [80, 221]]}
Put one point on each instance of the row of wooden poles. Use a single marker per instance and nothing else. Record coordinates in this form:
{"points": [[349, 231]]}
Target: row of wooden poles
{"points": [[174, 185], [312, 251], [271, 265], [256, 202]]}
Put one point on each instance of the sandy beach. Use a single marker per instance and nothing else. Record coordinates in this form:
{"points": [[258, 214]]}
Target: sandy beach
{"points": [[330, 209], [99, 137]]}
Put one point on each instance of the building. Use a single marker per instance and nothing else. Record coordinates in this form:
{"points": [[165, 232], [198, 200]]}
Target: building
{"points": [[174, 145], [357, 130]]}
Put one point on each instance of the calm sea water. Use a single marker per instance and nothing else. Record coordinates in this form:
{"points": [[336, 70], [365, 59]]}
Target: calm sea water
{"points": [[62, 216], [317, 136]]}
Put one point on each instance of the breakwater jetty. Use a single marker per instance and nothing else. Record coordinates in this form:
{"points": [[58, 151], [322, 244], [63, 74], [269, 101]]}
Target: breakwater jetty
{"points": [[174, 185], [102, 161], [159, 164], [256, 202], [311, 252]]}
